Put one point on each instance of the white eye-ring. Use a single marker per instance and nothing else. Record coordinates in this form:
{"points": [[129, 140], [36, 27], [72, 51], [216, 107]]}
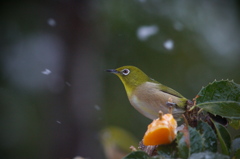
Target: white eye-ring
{"points": [[125, 72]]}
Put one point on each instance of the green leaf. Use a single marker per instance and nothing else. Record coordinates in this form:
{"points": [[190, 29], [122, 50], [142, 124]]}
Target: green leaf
{"points": [[209, 137], [183, 149], [236, 146], [221, 98], [208, 155], [137, 155], [168, 151], [227, 109], [196, 142], [237, 154], [223, 137], [235, 124]]}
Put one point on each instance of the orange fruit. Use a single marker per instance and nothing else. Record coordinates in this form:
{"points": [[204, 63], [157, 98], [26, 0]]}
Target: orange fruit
{"points": [[161, 131]]}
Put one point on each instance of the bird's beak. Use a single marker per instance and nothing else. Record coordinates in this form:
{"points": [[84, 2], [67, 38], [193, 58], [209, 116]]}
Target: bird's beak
{"points": [[112, 71]]}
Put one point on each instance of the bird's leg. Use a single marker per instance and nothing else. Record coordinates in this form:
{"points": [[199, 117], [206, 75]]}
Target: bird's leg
{"points": [[170, 104]]}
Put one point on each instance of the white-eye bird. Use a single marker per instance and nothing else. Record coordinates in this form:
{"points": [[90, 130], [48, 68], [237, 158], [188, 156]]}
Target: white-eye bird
{"points": [[147, 95]]}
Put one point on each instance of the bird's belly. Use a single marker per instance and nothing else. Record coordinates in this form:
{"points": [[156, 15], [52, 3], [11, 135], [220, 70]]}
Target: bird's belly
{"points": [[151, 109]]}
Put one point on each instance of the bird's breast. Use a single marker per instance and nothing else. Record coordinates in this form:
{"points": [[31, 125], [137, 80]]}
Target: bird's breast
{"points": [[143, 107], [149, 100]]}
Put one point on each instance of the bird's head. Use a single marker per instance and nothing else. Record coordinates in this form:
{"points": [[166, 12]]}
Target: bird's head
{"points": [[130, 76]]}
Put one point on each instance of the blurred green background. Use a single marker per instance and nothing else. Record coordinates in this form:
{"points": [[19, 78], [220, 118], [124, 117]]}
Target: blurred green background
{"points": [[55, 96]]}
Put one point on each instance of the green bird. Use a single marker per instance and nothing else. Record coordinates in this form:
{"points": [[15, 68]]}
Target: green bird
{"points": [[147, 95]]}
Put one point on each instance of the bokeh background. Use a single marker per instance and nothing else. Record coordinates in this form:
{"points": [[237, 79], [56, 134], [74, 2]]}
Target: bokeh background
{"points": [[55, 96]]}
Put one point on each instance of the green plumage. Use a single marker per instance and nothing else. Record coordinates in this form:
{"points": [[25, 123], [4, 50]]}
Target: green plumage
{"points": [[147, 95]]}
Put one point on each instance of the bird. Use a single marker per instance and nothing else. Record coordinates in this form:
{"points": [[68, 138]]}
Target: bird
{"points": [[147, 95]]}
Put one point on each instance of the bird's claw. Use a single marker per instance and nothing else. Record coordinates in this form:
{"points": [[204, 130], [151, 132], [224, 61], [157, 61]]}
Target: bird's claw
{"points": [[170, 104]]}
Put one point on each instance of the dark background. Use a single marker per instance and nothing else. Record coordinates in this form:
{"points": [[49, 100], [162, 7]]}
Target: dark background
{"points": [[55, 96]]}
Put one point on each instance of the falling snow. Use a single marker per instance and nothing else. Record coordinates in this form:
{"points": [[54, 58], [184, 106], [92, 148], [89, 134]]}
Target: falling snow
{"points": [[168, 44], [46, 72], [59, 122], [144, 32], [97, 107], [68, 84], [51, 22]]}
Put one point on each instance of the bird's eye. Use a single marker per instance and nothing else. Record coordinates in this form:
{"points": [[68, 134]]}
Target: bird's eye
{"points": [[125, 72]]}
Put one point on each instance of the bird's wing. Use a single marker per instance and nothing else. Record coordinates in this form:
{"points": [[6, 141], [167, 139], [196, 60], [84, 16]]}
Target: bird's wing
{"points": [[169, 91]]}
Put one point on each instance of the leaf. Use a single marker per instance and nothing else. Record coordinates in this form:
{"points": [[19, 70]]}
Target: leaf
{"points": [[208, 155], [235, 124], [168, 151], [223, 137], [236, 146], [196, 142], [237, 154], [221, 98], [137, 155], [183, 149], [209, 137], [227, 109]]}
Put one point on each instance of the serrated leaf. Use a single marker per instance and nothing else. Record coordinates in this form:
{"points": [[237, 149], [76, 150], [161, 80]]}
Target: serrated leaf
{"points": [[183, 149], [220, 98], [235, 124], [196, 141], [209, 137], [208, 155], [227, 109], [137, 155], [224, 138], [220, 90]]}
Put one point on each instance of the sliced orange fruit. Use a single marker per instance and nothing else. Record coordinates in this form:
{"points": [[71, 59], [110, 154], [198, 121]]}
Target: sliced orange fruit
{"points": [[161, 131]]}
